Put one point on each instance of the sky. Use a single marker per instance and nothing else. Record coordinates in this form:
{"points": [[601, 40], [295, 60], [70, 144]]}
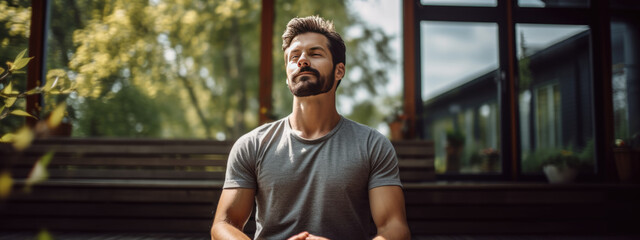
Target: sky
{"points": [[455, 53], [386, 14]]}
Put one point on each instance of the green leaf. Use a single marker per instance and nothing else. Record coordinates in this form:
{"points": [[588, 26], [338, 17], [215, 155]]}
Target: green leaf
{"points": [[4, 112], [7, 89], [6, 183], [20, 55], [19, 112], [56, 116], [20, 63], [1, 70], [22, 138], [52, 85], [39, 171], [7, 138], [9, 102], [33, 91]]}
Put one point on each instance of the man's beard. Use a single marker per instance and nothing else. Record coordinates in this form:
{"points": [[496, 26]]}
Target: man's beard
{"points": [[308, 88]]}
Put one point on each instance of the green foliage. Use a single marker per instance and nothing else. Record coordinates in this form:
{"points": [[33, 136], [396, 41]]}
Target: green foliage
{"points": [[581, 160], [455, 138], [192, 64], [127, 113], [14, 37], [524, 69]]}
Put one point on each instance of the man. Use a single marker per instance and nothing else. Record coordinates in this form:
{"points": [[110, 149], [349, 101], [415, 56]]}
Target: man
{"points": [[313, 174]]}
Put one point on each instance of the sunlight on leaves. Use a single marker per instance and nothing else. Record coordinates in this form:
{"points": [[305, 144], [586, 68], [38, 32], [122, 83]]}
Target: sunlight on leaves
{"points": [[22, 138], [52, 85], [39, 172], [20, 55], [8, 88], [7, 138], [6, 182], [1, 70], [20, 61], [22, 113], [10, 101]]}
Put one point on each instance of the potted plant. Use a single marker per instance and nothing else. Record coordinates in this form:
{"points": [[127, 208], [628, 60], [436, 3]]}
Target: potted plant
{"points": [[560, 165], [627, 157], [455, 144], [491, 160], [397, 124]]}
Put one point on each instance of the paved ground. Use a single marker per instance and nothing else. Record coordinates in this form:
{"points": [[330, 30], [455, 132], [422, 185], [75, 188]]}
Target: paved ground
{"points": [[192, 236]]}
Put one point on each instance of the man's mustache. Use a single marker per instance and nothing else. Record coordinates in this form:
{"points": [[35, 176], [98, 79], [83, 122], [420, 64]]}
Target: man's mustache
{"points": [[308, 69]]}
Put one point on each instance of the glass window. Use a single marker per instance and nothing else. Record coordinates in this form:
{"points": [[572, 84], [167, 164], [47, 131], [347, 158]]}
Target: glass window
{"points": [[554, 3], [625, 4], [371, 91], [15, 24], [555, 95], [473, 3], [459, 89], [157, 69], [625, 56]]}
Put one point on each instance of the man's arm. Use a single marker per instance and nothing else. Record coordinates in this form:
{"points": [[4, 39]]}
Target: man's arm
{"points": [[388, 211], [234, 209]]}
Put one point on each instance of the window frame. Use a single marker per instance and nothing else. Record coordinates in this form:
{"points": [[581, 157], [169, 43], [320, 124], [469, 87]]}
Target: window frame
{"points": [[507, 14]]}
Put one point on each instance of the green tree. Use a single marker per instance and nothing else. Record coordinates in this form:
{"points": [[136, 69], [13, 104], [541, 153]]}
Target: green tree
{"points": [[15, 22], [187, 68]]}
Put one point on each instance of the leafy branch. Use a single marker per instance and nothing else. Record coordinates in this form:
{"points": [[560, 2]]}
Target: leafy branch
{"points": [[23, 137], [11, 96]]}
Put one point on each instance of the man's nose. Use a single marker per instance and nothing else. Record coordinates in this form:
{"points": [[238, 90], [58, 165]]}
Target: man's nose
{"points": [[303, 61]]}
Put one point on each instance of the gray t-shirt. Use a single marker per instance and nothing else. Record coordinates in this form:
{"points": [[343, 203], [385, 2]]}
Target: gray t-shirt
{"points": [[319, 185]]}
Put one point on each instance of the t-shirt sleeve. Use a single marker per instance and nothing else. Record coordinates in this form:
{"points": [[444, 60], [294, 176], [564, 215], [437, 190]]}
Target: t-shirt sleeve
{"points": [[241, 165], [384, 163]]}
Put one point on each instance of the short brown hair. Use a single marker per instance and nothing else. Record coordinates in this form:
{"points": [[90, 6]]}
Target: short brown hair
{"points": [[319, 25]]}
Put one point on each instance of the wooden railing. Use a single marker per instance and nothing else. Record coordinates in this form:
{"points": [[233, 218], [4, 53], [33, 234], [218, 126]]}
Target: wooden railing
{"points": [[138, 185]]}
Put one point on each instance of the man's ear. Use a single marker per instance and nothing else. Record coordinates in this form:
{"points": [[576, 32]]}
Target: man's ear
{"points": [[339, 73]]}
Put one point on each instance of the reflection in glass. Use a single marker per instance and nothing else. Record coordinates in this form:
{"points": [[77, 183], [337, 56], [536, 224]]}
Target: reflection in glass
{"points": [[157, 69], [554, 3], [459, 89], [15, 19], [472, 3], [555, 96], [625, 38]]}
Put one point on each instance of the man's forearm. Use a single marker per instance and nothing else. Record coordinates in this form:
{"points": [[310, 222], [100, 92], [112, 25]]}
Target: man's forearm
{"points": [[225, 231], [393, 231]]}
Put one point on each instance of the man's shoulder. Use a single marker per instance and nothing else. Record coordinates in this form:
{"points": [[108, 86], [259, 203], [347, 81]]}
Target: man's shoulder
{"points": [[263, 132], [362, 130]]}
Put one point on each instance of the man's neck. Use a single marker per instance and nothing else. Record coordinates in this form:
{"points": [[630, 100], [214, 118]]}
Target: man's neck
{"points": [[315, 116]]}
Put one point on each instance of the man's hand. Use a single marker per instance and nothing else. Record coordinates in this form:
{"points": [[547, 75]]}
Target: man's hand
{"points": [[306, 236]]}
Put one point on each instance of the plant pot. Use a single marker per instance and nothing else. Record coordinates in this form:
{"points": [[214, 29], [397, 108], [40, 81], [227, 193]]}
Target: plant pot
{"points": [[453, 158], [627, 164], [556, 174], [396, 128]]}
